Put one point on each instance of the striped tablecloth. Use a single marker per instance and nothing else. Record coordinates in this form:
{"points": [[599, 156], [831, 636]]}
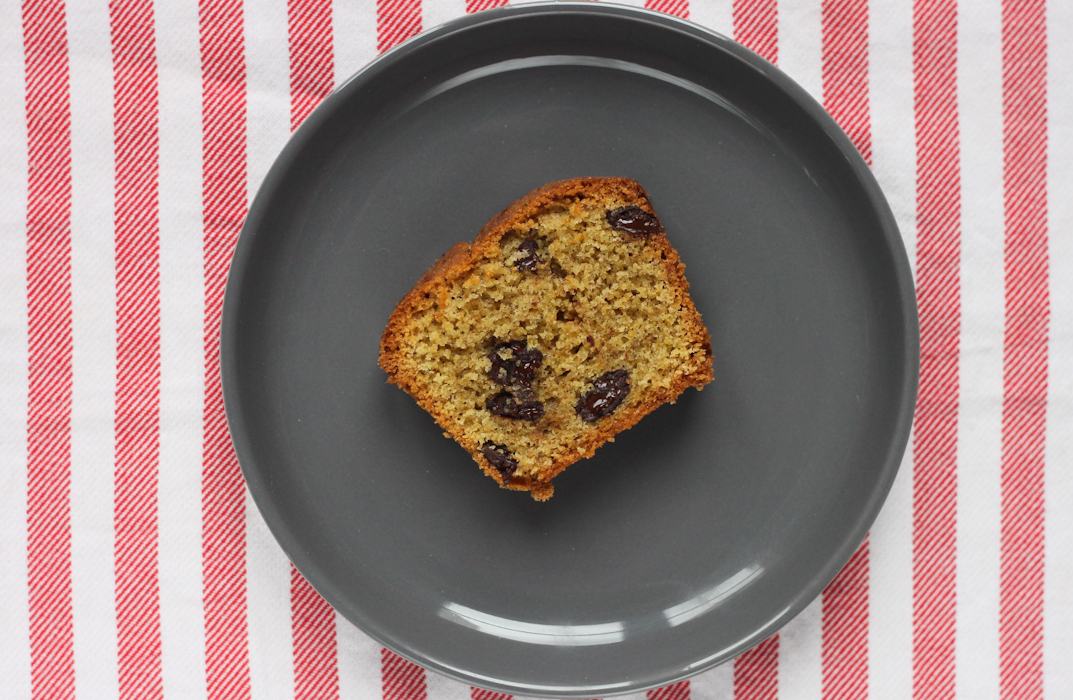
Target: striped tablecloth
{"points": [[133, 135]]}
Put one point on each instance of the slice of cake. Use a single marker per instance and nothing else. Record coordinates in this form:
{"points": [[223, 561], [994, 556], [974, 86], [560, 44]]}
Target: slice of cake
{"points": [[565, 322]]}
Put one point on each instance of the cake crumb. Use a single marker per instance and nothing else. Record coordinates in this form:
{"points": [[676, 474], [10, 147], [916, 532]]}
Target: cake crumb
{"points": [[548, 359]]}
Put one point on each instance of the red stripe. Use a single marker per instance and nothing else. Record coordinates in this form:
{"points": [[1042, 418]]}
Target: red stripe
{"points": [[480, 694], [939, 303], [48, 287], [401, 679], [845, 69], [678, 8], [844, 634], [224, 205], [756, 672], [844, 639], [675, 691], [137, 410], [396, 21], [316, 673], [478, 5], [313, 636], [756, 26], [311, 55], [1025, 348]]}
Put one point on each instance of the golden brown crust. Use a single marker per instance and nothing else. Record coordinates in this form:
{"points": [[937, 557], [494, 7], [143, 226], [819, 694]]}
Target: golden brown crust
{"points": [[459, 261]]}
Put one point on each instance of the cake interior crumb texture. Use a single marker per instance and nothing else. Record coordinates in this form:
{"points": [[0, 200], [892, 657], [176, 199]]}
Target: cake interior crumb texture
{"points": [[550, 274]]}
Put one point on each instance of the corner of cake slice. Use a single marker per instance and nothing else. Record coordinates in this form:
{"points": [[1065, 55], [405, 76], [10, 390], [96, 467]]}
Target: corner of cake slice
{"points": [[565, 322]]}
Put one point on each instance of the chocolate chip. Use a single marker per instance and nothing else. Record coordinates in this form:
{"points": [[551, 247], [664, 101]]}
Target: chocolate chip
{"points": [[529, 260], [515, 373], [607, 392], [500, 458], [524, 406], [500, 404], [518, 368], [635, 221]]}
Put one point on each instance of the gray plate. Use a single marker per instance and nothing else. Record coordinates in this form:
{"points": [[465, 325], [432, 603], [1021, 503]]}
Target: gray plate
{"points": [[699, 532]]}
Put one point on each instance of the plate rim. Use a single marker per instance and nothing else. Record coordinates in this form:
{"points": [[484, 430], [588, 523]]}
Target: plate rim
{"points": [[231, 321]]}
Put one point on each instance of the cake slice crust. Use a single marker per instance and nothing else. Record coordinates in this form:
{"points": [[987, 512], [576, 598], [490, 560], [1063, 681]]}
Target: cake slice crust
{"points": [[566, 321]]}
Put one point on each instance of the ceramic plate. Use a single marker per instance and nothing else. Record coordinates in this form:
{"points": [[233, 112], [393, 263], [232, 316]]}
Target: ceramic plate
{"points": [[696, 534]]}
